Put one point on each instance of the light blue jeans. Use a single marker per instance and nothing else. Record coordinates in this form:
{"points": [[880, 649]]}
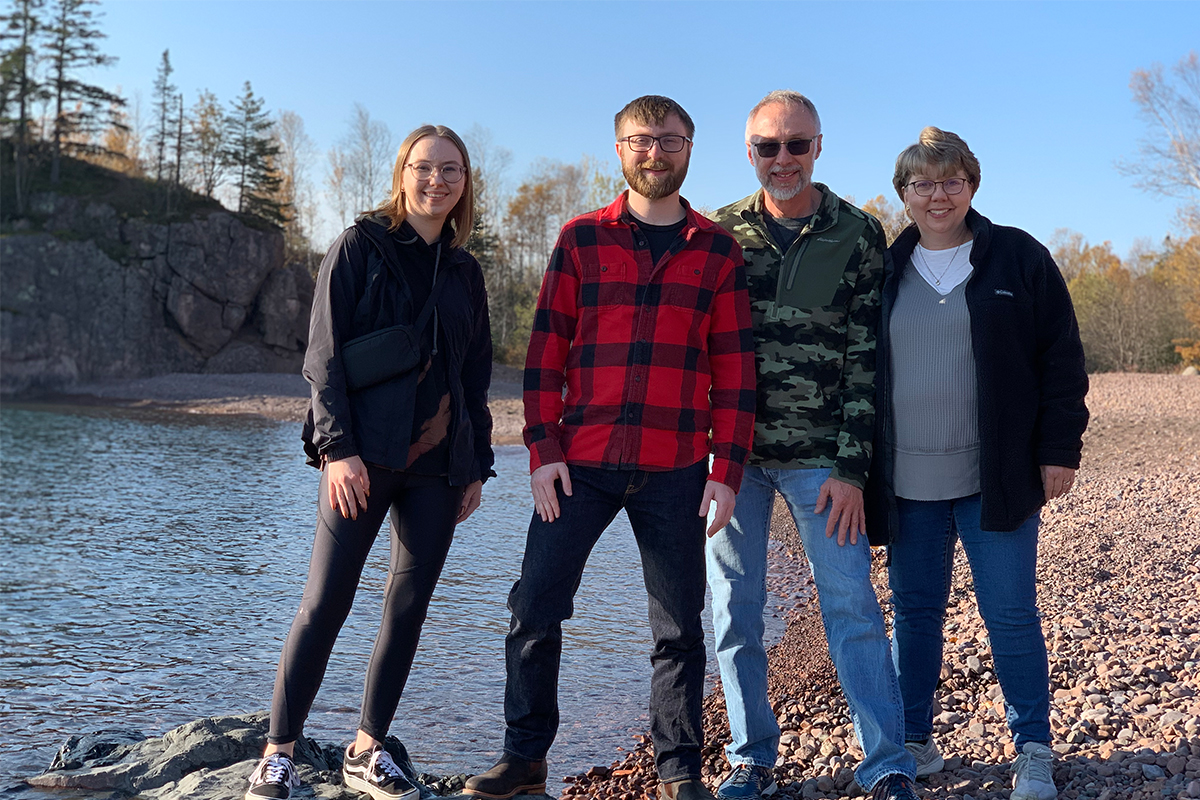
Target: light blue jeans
{"points": [[1003, 569], [858, 643]]}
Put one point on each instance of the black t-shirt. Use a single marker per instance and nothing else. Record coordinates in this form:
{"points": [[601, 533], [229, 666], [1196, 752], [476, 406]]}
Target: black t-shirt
{"points": [[785, 230], [429, 448], [660, 237]]}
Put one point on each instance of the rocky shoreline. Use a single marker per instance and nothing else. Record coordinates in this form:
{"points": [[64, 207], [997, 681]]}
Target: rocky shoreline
{"points": [[1119, 581]]}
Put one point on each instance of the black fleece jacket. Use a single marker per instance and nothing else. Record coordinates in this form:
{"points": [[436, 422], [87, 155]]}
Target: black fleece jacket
{"points": [[1029, 370], [362, 288]]}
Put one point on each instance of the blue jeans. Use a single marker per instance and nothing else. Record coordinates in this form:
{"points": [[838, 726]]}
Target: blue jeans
{"points": [[662, 509], [858, 644], [1003, 568]]}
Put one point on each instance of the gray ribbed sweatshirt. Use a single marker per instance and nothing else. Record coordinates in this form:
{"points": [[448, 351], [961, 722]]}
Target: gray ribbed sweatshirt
{"points": [[934, 403]]}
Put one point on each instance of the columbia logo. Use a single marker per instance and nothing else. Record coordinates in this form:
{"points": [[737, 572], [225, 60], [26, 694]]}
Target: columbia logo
{"points": [[1004, 292], [831, 241]]}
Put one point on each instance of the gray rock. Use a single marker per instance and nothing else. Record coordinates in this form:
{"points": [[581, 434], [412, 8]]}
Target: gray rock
{"points": [[94, 297], [207, 759]]}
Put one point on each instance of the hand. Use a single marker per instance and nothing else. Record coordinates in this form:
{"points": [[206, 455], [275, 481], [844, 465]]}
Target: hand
{"points": [[470, 501], [1056, 481], [725, 499], [349, 486], [846, 514], [545, 498]]}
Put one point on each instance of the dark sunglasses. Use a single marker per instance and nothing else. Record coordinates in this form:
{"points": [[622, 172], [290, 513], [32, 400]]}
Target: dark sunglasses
{"points": [[796, 147]]}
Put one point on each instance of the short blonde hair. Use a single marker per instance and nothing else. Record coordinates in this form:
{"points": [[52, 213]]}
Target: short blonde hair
{"points": [[936, 153], [462, 216]]}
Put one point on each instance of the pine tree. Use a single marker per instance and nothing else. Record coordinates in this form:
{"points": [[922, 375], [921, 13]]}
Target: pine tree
{"points": [[164, 97], [250, 152], [78, 106], [21, 86]]}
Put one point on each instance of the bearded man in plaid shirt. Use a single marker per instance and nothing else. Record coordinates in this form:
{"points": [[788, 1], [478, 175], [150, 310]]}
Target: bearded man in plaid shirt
{"points": [[644, 320]]}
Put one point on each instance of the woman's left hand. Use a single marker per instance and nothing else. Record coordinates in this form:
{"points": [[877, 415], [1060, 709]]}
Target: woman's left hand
{"points": [[470, 501], [1057, 481]]}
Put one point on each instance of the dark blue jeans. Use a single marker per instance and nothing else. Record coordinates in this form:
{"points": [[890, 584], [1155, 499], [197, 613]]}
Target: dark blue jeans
{"points": [[662, 509]]}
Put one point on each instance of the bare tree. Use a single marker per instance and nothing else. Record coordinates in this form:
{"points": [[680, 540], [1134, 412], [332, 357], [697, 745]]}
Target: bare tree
{"points": [[368, 152], [1170, 152], [296, 150], [337, 186]]}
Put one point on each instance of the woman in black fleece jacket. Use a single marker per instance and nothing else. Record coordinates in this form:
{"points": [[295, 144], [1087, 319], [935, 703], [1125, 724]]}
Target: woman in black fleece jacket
{"points": [[415, 442], [981, 389]]}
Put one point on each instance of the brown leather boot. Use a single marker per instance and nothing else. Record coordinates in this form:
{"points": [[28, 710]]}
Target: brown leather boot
{"points": [[510, 777], [686, 789]]}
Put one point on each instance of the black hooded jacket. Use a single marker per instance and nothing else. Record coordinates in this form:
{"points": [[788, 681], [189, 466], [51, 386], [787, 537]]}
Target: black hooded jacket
{"points": [[362, 288], [1029, 370]]}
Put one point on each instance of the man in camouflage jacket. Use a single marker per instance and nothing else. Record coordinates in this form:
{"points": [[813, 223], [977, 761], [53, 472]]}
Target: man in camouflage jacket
{"points": [[814, 265]]}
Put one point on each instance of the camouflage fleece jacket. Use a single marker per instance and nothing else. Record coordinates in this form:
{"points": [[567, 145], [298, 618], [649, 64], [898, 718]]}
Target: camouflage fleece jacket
{"points": [[815, 311]]}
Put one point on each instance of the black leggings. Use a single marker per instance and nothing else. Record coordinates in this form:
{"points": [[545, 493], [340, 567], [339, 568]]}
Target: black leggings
{"points": [[423, 512]]}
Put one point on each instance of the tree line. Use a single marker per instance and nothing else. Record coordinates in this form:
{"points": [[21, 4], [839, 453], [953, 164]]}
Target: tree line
{"points": [[1141, 313]]}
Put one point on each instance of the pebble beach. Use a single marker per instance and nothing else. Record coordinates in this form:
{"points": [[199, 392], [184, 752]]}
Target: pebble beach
{"points": [[1119, 592]]}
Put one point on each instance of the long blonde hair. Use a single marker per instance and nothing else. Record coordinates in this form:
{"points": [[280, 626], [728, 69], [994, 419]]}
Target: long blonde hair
{"points": [[462, 216]]}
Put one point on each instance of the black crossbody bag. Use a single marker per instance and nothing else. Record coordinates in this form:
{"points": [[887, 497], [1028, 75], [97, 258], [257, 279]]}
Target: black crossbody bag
{"points": [[389, 352]]}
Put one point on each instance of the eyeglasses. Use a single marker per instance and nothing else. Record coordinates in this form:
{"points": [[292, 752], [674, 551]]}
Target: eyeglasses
{"points": [[423, 171], [950, 186], [671, 143], [796, 147]]}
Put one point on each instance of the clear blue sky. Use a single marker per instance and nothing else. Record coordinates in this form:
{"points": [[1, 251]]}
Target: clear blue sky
{"points": [[1038, 90]]}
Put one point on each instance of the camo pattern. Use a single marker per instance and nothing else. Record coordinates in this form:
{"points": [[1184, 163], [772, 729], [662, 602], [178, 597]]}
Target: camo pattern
{"points": [[815, 312]]}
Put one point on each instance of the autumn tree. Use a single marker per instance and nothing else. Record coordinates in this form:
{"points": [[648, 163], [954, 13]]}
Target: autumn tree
{"points": [[1179, 269], [893, 219], [207, 126], [250, 152]]}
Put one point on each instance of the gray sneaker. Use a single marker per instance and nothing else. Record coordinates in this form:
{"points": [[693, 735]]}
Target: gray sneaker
{"points": [[929, 758], [374, 773], [1033, 773]]}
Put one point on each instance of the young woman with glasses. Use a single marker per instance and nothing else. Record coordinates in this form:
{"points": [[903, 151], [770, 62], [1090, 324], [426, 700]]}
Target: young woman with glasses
{"points": [[399, 358], [980, 416]]}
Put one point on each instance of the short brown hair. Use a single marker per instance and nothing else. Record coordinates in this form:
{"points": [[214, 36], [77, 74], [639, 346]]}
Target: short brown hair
{"points": [[653, 109], [462, 216], [937, 153]]}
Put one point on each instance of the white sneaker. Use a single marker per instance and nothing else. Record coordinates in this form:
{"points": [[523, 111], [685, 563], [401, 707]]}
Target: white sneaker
{"points": [[1033, 777], [929, 758]]}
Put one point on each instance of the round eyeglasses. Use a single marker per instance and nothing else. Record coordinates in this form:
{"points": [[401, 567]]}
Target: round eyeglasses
{"points": [[949, 186], [423, 171], [671, 143], [796, 147]]}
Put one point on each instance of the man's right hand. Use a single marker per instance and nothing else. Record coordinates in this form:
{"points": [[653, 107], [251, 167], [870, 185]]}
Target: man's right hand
{"points": [[545, 497], [349, 486]]}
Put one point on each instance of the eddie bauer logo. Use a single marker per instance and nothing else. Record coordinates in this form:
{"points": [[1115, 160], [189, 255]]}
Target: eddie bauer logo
{"points": [[831, 241], [1004, 292]]}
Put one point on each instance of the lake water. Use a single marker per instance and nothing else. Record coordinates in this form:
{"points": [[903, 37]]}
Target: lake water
{"points": [[151, 562]]}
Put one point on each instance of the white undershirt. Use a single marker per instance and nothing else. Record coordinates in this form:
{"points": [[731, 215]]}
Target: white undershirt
{"points": [[944, 269]]}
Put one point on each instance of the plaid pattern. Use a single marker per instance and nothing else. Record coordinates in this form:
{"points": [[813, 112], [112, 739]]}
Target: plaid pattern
{"points": [[653, 357]]}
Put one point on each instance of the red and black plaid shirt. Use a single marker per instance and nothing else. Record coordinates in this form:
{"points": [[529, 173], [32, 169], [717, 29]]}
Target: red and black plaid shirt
{"points": [[654, 357]]}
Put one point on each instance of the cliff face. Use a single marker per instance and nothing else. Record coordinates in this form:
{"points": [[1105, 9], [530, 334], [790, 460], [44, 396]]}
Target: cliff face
{"points": [[95, 296]]}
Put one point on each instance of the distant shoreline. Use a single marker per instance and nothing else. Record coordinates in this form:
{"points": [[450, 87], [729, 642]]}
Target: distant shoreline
{"points": [[278, 396]]}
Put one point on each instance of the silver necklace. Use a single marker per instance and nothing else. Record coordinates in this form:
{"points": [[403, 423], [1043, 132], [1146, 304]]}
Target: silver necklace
{"points": [[937, 279]]}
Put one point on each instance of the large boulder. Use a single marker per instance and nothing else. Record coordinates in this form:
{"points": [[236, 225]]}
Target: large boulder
{"points": [[208, 759], [93, 296]]}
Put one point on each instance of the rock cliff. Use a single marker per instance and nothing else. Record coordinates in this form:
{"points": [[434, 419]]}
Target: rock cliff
{"points": [[92, 295]]}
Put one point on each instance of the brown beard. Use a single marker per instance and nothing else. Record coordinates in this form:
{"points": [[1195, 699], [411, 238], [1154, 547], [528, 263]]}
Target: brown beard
{"points": [[653, 188]]}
